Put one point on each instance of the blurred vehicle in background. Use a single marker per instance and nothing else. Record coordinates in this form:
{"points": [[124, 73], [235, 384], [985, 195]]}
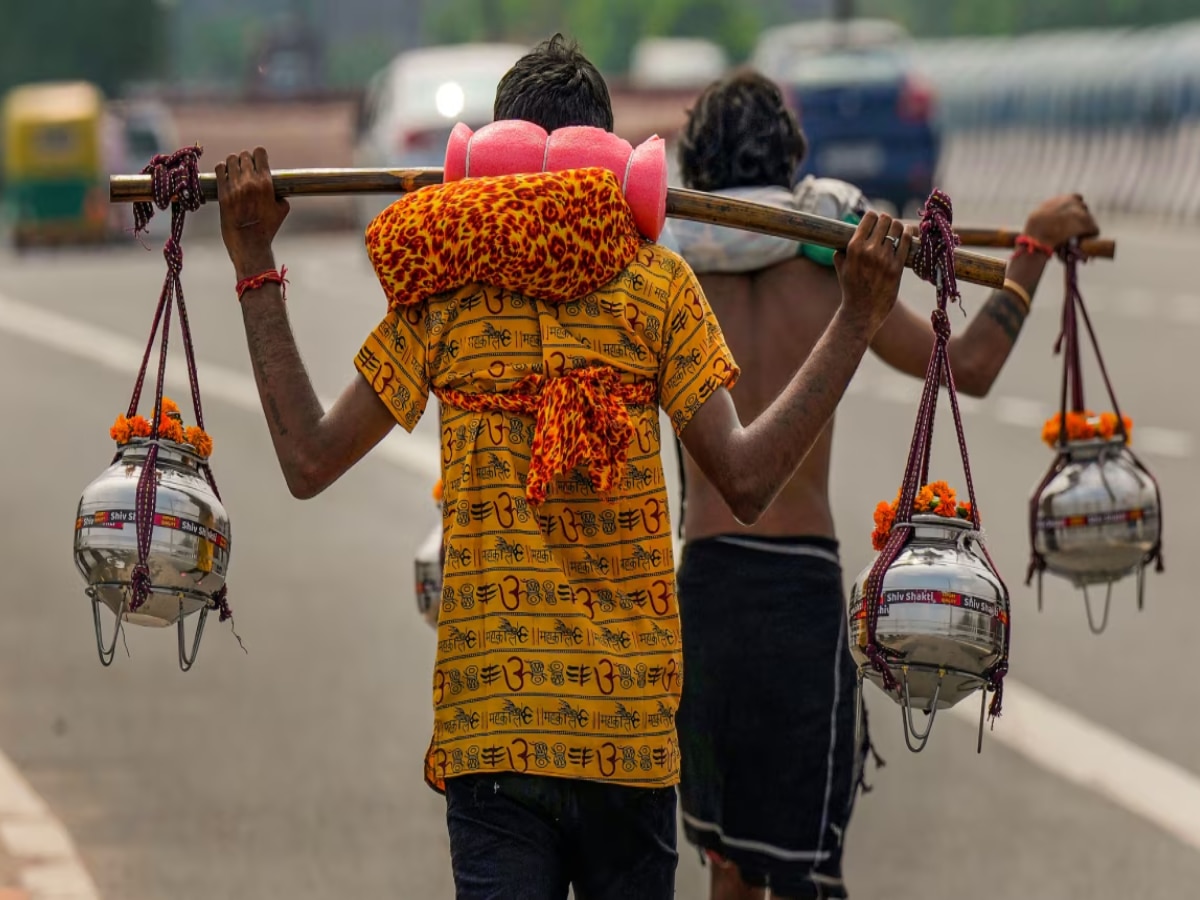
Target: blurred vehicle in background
{"points": [[868, 114], [61, 142], [288, 60], [673, 63], [410, 107], [777, 47], [149, 130]]}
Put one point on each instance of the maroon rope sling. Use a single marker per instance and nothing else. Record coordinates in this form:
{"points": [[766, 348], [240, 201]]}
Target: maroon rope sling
{"points": [[176, 182], [1067, 345], [935, 264]]}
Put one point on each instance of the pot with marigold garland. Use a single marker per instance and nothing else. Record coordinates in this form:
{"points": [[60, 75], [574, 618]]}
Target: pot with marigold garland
{"points": [[942, 613], [152, 536], [1096, 515], [189, 543], [929, 617]]}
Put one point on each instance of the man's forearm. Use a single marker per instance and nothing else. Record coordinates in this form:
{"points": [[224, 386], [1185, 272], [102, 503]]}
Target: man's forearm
{"points": [[980, 352], [291, 406]]}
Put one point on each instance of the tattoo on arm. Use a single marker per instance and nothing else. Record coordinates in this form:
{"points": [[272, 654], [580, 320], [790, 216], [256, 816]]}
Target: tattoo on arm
{"points": [[276, 416], [1006, 311]]}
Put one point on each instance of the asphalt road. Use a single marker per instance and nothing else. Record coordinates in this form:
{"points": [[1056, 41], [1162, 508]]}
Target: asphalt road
{"points": [[294, 770]]}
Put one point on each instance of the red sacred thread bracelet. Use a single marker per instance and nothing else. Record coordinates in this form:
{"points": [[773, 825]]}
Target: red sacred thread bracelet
{"points": [[256, 281], [1027, 244]]}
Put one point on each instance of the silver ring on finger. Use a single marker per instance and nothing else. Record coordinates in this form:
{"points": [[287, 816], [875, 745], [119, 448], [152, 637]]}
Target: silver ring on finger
{"points": [[895, 242]]}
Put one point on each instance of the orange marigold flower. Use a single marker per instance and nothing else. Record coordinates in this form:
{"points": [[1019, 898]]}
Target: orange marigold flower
{"points": [[936, 497], [885, 514], [1108, 425], [170, 430], [169, 406], [120, 431], [199, 439], [945, 496], [140, 426], [1052, 429], [437, 491], [1079, 428]]}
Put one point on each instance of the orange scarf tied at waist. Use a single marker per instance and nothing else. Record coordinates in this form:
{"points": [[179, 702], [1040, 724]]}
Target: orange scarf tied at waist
{"points": [[582, 418]]}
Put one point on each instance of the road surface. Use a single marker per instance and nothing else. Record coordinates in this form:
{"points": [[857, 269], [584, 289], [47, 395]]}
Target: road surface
{"points": [[294, 770]]}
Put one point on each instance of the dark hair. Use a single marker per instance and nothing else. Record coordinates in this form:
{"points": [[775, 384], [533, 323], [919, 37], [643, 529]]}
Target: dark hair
{"points": [[740, 133], [554, 85]]}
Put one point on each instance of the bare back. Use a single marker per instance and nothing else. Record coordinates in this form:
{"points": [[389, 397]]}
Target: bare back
{"points": [[771, 320]]}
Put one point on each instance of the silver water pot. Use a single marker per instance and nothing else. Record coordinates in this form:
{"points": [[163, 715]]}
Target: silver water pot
{"points": [[1097, 519], [942, 620], [428, 564], [189, 546]]}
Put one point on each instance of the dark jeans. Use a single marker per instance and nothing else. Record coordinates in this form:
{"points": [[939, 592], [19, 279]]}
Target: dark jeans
{"points": [[529, 837]]}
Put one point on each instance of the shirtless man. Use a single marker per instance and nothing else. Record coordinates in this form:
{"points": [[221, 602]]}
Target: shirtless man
{"points": [[766, 719]]}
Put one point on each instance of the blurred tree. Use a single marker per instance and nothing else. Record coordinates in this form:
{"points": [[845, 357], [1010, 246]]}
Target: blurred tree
{"points": [[606, 29], [109, 43]]}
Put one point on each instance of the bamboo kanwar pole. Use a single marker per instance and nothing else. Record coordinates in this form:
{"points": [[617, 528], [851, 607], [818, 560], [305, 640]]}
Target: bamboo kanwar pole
{"points": [[681, 204], [1102, 248]]}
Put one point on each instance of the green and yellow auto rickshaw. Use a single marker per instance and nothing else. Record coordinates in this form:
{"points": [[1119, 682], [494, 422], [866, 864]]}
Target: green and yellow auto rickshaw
{"points": [[59, 141]]}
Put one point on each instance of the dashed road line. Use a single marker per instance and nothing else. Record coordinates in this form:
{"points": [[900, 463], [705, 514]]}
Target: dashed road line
{"points": [[48, 866]]}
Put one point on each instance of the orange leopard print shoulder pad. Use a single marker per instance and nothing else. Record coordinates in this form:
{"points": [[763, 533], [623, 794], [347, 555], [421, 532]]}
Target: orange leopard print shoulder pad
{"points": [[555, 236]]}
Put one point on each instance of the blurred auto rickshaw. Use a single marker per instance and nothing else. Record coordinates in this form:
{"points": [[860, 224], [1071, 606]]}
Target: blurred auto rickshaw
{"points": [[59, 144]]}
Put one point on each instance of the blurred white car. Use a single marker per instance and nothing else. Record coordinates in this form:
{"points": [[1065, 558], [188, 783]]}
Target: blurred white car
{"points": [[668, 63], [410, 107]]}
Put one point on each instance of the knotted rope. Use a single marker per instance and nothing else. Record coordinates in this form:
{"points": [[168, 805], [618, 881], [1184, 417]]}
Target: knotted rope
{"points": [[176, 185], [1067, 344], [934, 263], [581, 419]]}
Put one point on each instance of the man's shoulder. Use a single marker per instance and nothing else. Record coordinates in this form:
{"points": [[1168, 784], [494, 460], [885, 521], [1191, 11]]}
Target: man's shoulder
{"points": [[655, 274]]}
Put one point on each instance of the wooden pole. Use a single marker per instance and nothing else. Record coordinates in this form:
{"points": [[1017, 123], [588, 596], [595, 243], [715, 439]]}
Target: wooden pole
{"points": [[681, 204], [1103, 248]]}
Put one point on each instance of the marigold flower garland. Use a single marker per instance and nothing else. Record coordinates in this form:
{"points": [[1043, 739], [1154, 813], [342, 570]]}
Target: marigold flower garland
{"points": [[1084, 426], [125, 429], [936, 498]]}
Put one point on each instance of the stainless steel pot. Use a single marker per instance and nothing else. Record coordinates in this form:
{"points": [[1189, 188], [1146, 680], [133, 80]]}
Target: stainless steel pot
{"points": [[943, 617], [189, 546], [1097, 520], [428, 563]]}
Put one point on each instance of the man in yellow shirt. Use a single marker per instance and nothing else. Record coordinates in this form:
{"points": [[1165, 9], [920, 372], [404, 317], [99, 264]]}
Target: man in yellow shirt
{"points": [[558, 670]]}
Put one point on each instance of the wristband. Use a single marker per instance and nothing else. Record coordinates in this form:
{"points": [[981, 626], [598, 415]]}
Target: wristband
{"points": [[1019, 292], [1027, 244], [268, 277]]}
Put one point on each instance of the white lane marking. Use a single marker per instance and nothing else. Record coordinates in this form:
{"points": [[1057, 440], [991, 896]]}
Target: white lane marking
{"points": [[1050, 736], [1162, 441], [1021, 412], [1184, 309], [1068, 745], [48, 864], [1136, 303], [120, 354]]}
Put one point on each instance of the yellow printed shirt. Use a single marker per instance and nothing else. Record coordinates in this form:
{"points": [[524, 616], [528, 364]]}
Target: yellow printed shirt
{"points": [[558, 644]]}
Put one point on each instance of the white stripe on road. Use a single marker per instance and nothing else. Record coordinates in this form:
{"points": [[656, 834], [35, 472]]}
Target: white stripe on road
{"points": [[118, 353], [1048, 735], [1068, 745], [48, 865]]}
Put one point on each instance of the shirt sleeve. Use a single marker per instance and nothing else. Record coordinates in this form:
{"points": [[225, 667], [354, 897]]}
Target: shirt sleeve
{"points": [[695, 359], [393, 361]]}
